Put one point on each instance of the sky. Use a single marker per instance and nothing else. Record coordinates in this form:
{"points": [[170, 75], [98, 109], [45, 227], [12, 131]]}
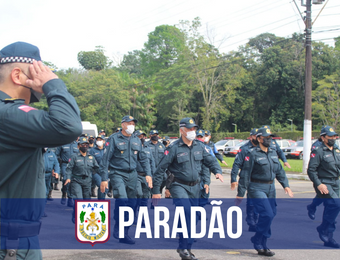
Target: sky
{"points": [[63, 28]]}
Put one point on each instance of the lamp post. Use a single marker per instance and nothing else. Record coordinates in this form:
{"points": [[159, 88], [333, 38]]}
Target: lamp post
{"points": [[235, 127], [291, 124]]}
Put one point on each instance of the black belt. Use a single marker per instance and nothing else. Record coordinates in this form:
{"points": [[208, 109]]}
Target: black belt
{"points": [[260, 181], [15, 230], [141, 174], [64, 161], [83, 177], [332, 179], [189, 183]]}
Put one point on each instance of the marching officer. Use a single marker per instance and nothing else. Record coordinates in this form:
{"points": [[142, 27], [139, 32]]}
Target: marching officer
{"points": [[24, 132], [183, 159], [260, 168], [166, 141], [51, 169], [207, 137], [97, 152], [323, 171], [64, 153], [123, 150], [54, 180], [251, 218]]}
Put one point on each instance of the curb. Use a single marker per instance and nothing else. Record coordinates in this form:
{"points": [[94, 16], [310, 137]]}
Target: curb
{"points": [[294, 176]]}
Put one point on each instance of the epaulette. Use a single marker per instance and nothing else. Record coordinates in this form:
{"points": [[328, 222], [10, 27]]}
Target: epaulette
{"points": [[12, 100]]}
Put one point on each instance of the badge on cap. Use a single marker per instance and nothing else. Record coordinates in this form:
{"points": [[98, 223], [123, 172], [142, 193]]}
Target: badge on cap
{"points": [[268, 131], [130, 117], [191, 121], [331, 130]]}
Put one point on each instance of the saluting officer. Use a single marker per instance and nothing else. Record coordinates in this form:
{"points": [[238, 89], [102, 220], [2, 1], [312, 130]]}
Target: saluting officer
{"points": [[252, 217], [323, 171], [24, 132], [123, 150], [51, 169], [65, 152], [261, 167], [184, 158], [207, 137], [97, 152]]}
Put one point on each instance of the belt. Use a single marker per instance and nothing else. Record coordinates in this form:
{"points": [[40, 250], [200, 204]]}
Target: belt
{"points": [[64, 161], [189, 183], [141, 174], [261, 181], [332, 178], [83, 177], [15, 230]]}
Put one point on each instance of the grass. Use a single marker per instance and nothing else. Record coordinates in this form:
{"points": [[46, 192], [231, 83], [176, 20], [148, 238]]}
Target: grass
{"points": [[295, 164]]}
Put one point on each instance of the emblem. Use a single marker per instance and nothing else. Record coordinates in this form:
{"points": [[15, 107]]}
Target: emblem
{"points": [[256, 130], [136, 152], [166, 152], [92, 221], [121, 152], [246, 158], [160, 146], [130, 117], [312, 155], [268, 131], [265, 126], [337, 150], [90, 157], [331, 130], [191, 121]]}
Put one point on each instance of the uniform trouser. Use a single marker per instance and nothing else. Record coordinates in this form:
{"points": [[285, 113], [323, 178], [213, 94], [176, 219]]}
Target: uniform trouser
{"points": [[54, 180], [124, 190], [143, 193], [65, 188], [263, 198], [203, 195], [48, 177], [185, 196], [98, 180], [25, 253], [80, 189], [252, 216], [331, 202]]}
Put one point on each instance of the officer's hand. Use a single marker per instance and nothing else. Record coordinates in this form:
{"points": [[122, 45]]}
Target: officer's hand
{"points": [[40, 75], [67, 182], [104, 185], [167, 193], [224, 163], [56, 175], [219, 176], [155, 198], [149, 181], [206, 187], [287, 165], [289, 192], [238, 200], [323, 189], [233, 185]]}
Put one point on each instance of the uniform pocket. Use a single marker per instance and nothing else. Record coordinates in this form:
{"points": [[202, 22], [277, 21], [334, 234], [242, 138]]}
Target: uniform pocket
{"points": [[121, 149], [182, 157], [198, 155]]}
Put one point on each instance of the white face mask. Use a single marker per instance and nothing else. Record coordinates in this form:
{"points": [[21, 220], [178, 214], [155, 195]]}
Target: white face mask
{"points": [[130, 129], [100, 143], [191, 135], [206, 139]]}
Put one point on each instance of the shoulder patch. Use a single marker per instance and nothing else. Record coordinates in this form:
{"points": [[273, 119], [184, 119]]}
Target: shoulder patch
{"points": [[312, 155], [26, 108], [246, 158], [166, 152]]}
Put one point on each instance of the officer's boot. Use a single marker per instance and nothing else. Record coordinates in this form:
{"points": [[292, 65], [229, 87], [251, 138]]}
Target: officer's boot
{"points": [[56, 186], [250, 217], [49, 197], [126, 239], [193, 257], [63, 198], [331, 242], [323, 231], [93, 192], [109, 193], [267, 251], [257, 241], [311, 211], [70, 203]]}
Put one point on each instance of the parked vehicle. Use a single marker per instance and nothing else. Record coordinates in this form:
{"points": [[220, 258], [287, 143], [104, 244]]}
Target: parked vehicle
{"points": [[228, 141], [295, 151], [233, 150], [90, 129]]}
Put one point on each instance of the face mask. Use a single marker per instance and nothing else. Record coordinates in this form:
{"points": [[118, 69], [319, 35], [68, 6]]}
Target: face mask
{"points": [[155, 138], [91, 141], [142, 140], [165, 143], [83, 149], [130, 129], [35, 96], [267, 142], [191, 135], [254, 141], [200, 139], [100, 143], [206, 139], [331, 142]]}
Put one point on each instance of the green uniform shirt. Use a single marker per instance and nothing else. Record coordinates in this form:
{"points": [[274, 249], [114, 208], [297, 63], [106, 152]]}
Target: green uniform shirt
{"points": [[80, 165], [323, 163]]}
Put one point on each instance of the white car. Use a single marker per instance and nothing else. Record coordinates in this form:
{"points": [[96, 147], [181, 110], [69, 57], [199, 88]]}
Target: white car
{"points": [[222, 144], [233, 150]]}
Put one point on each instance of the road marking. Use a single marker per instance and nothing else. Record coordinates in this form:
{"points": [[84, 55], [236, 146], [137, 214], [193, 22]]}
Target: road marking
{"points": [[233, 253], [299, 192]]}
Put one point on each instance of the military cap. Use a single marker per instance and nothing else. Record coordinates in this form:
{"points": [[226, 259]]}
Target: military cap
{"points": [[19, 52], [84, 135], [207, 132], [328, 130], [166, 138], [101, 131], [254, 131], [264, 132], [83, 140], [139, 132], [91, 136], [101, 137], [152, 132], [118, 129], [187, 122], [200, 132], [265, 126], [129, 119]]}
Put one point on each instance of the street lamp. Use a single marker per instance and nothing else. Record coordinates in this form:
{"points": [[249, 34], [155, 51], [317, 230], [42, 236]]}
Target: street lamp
{"points": [[235, 127], [291, 123]]}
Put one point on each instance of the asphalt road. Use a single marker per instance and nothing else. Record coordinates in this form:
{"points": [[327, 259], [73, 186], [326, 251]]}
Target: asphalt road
{"points": [[301, 189]]}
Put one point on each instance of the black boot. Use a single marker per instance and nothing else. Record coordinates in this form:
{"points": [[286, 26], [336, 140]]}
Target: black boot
{"points": [[193, 257], [49, 197], [311, 211], [126, 239], [70, 203], [267, 251], [63, 198], [93, 192], [331, 242], [56, 186], [109, 193], [323, 233], [257, 241]]}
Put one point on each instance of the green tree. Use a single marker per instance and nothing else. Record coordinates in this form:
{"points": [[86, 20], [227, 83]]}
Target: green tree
{"points": [[93, 60]]}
